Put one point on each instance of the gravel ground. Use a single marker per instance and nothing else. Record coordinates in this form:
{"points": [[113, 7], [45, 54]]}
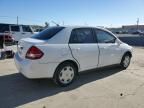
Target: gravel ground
{"points": [[104, 88]]}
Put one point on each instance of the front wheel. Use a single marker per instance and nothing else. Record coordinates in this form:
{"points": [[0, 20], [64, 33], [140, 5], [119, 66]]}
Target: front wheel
{"points": [[65, 74], [125, 61]]}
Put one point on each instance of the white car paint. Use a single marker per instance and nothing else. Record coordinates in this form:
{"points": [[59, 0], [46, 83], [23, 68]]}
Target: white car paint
{"points": [[86, 54], [57, 50]]}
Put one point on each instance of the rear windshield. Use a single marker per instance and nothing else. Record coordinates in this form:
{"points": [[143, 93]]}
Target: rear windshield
{"points": [[48, 33]]}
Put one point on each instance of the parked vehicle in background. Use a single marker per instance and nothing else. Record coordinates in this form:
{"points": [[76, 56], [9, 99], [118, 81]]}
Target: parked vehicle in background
{"points": [[39, 30], [62, 52], [16, 32], [5, 35], [138, 32], [121, 32], [118, 32], [141, 34], [21, 31]]}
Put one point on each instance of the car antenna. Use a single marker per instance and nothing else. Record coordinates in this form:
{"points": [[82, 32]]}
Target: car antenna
{"points": [[55, 23]]}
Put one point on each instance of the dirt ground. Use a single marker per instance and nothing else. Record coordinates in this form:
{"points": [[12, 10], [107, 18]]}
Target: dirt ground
{"points": [[104, 88]]}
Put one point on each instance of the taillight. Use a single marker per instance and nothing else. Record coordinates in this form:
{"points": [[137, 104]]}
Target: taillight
{"points": [[34, 53]]}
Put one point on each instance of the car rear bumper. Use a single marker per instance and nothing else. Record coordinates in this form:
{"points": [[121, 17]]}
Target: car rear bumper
{"points": [[33, 69]]}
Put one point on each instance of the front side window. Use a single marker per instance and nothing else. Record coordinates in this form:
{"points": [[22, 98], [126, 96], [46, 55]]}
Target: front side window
{"points": [[104, 37], [26, 29], [82, 35], [15, 28]]}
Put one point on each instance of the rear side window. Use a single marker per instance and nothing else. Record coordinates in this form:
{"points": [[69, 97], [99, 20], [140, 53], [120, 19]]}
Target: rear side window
{"points": [[82, 35], [26, 29], [15, 28], [4, 28], [48, 33]]}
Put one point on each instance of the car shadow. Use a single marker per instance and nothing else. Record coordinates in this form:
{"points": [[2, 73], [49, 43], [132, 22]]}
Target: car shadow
{"points": [[16, 90]]}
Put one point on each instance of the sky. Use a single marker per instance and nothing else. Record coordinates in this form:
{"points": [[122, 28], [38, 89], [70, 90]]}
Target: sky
{"points": [[108, 13]]}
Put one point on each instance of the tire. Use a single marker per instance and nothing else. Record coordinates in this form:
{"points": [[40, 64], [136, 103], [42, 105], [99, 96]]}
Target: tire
{"points": [[65, 74], [125, 61]]}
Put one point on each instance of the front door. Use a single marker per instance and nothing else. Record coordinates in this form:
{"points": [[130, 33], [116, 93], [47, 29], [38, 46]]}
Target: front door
{"points": [[110, 52]]}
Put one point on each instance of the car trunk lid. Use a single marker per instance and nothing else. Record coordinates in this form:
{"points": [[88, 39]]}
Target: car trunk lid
{"points": [[26, 43]]}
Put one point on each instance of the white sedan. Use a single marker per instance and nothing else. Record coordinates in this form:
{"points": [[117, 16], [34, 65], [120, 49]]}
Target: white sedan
{"points": [[62, 52]]}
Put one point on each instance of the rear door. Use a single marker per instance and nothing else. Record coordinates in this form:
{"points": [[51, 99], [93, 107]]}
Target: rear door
{"points": [[15, 31], [84, 48], [110, 52], [26, 31]]}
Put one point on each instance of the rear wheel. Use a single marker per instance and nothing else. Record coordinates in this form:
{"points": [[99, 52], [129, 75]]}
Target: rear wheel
{"points": [[125, 61], [65, 74]]}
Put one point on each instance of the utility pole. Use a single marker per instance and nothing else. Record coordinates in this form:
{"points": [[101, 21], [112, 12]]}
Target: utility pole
{"points": [[17, 20], [137, 23]]}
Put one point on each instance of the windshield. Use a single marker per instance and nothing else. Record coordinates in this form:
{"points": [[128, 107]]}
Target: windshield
{"points": [[48, 33]]}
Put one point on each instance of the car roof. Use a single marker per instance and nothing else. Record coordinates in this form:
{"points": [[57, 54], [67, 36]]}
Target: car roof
{"points": [[74, 27], [80, 27]]}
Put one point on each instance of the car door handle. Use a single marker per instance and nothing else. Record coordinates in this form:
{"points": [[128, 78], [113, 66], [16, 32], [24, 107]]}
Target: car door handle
{"points": [[103, 48], [75, 49], [23, 33]]}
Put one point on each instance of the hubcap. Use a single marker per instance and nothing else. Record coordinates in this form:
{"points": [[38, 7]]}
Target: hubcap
{"points": [[126, 61], [66, 75]]}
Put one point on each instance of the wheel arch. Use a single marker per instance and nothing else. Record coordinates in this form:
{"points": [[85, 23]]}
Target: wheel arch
{"points": [[127, 52], [121, 63], [68, 61]]}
